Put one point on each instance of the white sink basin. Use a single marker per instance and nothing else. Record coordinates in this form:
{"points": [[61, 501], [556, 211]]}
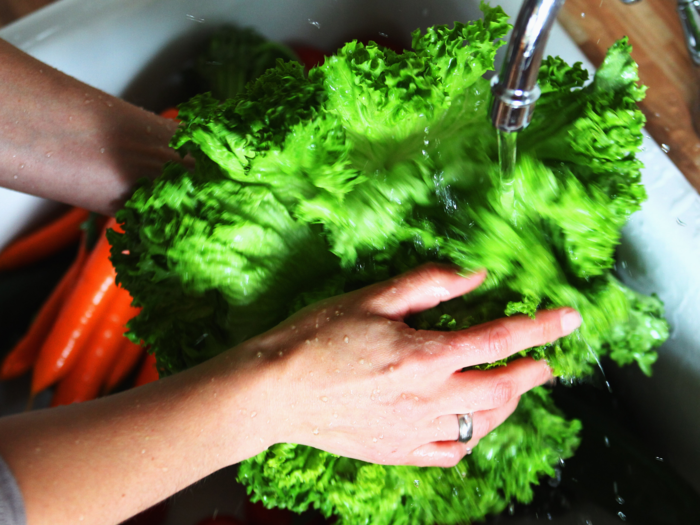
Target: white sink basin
{"points": [[121, 46]]}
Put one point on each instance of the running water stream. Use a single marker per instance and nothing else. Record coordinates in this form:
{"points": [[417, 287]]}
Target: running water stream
{"points": [[507, 152]]}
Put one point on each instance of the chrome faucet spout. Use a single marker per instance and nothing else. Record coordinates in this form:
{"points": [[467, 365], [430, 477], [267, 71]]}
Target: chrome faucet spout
{"points": [[515, 89]]}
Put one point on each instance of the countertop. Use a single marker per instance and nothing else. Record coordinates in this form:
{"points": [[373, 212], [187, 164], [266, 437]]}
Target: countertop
{"points": [[655, 33]]}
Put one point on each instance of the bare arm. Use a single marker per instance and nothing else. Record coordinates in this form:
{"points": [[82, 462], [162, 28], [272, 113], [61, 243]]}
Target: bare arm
{"points": [[335, 376], [64, 140]]}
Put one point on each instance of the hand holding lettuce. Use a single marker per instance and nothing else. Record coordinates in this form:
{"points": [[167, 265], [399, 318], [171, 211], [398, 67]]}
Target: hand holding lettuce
{"points": [[307, 187]]}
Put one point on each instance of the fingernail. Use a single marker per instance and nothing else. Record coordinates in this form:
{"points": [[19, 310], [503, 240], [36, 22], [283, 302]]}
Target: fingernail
{"points": [[570, 321]]}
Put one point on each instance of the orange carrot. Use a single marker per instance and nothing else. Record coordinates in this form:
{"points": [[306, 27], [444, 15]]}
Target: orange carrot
{"points": [[24, 354], [128, 357], [84, 380], [83, 307], [170, 113], [45, 241], [148, 372]]}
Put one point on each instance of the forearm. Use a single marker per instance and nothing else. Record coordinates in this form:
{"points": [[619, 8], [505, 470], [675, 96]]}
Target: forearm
{"points": [[103, 461], [64, 140]]}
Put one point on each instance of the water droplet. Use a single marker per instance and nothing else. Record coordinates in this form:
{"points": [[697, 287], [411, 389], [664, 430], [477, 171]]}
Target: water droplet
{"points": [[324, 399], [361, 361], [665, 148], [374, 440], [315, 430], [195, 19], [659, 459], [622, 516], [583, 15], [314, 23], [347, 339], [335, 416], [469, 451], [308, 342], [49, 153], [259, 354], [102, 150], [21, 166], [253, 414], [143, 451], [381, 436], [678, 219], [607, 442], [383, 34], [391, 368], [15, 177], [620, 500], [416, 482]]}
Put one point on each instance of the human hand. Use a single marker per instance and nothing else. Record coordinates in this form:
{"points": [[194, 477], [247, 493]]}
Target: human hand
{"points": [[348, 376]]}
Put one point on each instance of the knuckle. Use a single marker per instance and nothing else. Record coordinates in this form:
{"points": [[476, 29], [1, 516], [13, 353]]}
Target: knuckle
{"points": [[499, 340], [503, 391]]}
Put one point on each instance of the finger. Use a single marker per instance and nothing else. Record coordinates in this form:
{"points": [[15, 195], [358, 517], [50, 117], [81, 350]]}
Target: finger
{"points": [[420, 289], [450, 453], [476, 390], [496, 340]]}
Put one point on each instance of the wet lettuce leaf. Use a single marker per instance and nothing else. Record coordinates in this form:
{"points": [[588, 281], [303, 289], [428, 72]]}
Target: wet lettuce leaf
{"points": [[306, 187]]}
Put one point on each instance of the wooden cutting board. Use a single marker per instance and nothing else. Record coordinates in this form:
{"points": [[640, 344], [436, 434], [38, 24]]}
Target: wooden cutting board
{"points": [[657, 37]]}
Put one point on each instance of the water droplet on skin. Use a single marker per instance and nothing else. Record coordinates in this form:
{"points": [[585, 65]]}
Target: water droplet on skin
{"points": [[259, 354], [361, 361], [335, 416], [143, 451], [324, 399], [665, 148], [315, 431], [381, 436], [374, 440], [48, 154], [314, 23], [15, 177], [253, 414], [371, 397], [308, 342], [347, 339], [102, 150], [21, 166], [583, 15], [316, 340], [337, 370]]}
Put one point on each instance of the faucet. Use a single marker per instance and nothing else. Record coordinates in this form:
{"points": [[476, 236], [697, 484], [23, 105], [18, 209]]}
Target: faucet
{"points": [[515, 90]]}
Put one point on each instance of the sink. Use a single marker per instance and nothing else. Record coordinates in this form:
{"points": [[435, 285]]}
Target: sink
{"points": [[135, 48]]}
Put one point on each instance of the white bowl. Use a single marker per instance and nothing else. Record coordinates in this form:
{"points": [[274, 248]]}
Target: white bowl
{"points": [[123, 46]]}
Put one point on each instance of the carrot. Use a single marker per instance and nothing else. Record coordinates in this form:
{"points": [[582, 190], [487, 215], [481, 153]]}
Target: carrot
{"points": [[148, 372], [128, 357], [83, 307], [24, 354], [45, 241], [84, 380], [170, 113]]}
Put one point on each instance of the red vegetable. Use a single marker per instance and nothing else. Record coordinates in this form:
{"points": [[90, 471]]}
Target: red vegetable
{"points": [[170, 113], [148, 372], [45, 241], [83, 307], [24, 354], [127, 358], [258, 514], [85, 379], [309, 56]]}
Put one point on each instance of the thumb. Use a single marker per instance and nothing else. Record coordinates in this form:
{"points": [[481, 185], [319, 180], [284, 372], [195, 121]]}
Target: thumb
{"points": [[420, 289]]}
